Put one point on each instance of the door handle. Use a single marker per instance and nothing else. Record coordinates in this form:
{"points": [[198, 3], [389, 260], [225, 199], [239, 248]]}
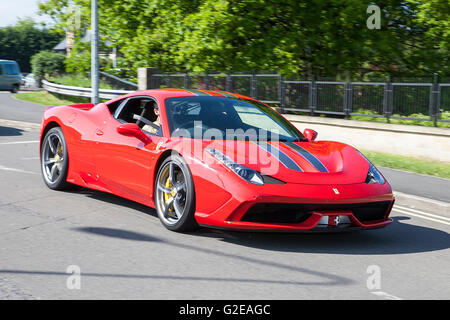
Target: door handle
{"points": [[99, 132]]}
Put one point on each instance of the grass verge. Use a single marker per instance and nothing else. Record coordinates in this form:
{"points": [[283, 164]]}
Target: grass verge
{"points": [[411, 164], [77, 80], [445, 115], [49, 99]]}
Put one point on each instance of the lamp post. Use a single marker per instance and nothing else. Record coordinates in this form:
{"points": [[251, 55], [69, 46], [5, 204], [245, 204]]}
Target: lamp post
{"points": [[94, 52]]}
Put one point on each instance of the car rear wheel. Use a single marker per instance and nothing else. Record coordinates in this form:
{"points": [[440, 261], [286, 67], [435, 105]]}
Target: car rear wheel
{"points": [[15, 88], [175, 195], [54, 159]]}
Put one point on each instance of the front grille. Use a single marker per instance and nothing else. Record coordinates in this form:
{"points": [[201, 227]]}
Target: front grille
{"points": [[276, 213], [297, 213]]}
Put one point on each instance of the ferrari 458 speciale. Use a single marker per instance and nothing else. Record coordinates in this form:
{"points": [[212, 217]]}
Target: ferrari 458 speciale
{"points": [[215, 159]]}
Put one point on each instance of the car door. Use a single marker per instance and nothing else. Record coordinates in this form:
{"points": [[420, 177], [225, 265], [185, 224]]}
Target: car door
{"points": [[124, 163]]}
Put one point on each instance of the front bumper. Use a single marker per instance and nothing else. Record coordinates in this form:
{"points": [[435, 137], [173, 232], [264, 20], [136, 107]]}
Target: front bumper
{"points": [[358, 206]]}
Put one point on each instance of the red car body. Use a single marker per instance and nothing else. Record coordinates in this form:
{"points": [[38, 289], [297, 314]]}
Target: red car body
{"points": [[101, 158]]}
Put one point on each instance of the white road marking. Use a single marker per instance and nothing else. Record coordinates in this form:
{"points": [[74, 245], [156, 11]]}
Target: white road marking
{"points": [[16, 170], [19, 142], [421, 215], [385, 295], [422, 212], [414, 197]]}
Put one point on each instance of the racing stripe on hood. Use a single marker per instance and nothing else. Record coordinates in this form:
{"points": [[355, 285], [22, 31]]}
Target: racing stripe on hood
{"points": [[280, 155], [307, 155]]}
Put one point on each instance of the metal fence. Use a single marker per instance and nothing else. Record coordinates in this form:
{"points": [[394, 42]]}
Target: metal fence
{"points": [[420, 101], [390, 100]]}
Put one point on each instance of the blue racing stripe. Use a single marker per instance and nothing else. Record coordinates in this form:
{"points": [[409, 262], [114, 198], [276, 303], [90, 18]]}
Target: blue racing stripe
{"points": [[308, 156], [280, 155]]}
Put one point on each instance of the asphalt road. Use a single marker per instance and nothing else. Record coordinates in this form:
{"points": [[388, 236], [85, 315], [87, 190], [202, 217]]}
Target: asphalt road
{"points": [[123, 252], [13, 109]]}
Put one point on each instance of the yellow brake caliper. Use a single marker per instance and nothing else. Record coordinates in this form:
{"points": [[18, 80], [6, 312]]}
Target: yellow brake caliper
{"points": [[167, 196], [58, 154]]}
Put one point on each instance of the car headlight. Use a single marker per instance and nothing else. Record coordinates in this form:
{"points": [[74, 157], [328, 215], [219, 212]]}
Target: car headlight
{"points": [[374, 176], [245, 173]]}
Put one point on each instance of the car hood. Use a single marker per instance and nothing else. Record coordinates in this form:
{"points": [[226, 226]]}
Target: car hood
{"points": [[321, 162]]}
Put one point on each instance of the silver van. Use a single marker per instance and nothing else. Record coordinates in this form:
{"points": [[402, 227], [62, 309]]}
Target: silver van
{"points": [[9, 75]]}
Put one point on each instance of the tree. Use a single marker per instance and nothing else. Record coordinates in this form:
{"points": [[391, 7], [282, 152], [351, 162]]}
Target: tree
{"points": [[433, 20], [24, 39], [296, 37]]}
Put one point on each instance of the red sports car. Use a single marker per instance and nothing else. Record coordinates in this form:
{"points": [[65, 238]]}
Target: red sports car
{"points": [[215, 159]]}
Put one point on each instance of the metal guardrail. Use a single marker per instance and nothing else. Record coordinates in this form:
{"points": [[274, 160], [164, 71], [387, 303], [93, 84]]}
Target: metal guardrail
{"points": [[81, 91]]}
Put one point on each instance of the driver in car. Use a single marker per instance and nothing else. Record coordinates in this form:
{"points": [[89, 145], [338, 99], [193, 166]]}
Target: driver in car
{"points": [[149, 118], [156, 124]]}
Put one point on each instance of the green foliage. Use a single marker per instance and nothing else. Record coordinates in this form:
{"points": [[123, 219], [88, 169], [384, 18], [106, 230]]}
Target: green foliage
{"points": [[47, 63], [24, 39], [295, 37], [79, 59]]}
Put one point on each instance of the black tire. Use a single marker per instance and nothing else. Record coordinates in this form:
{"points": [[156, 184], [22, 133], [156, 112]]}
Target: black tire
{"points": [[15, 88], [175, 209], [55, 160]]}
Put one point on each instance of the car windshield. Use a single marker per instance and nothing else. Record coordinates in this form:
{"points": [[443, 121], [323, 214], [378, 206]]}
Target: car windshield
{"points": [[227, 118]]}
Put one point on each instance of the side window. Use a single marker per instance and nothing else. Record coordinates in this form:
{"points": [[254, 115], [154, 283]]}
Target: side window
{"points": [[9, 69], [128, 109], [140, 110], [15, 69], [1, 69], [114, 105]]}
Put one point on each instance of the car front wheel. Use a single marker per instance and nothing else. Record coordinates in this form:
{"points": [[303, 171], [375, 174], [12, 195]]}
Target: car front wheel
{"points": [[175, 195]]}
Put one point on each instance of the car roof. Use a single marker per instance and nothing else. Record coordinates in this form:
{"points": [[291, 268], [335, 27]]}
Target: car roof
{"points": [[165, 93], [8, 61]]}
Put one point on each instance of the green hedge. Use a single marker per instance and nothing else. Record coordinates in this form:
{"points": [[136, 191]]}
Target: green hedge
{"points": [[47, 63]]}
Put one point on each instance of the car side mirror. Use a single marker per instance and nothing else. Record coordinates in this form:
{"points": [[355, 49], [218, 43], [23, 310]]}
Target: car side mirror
{"points": [[310, 134], [133, 130]]}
